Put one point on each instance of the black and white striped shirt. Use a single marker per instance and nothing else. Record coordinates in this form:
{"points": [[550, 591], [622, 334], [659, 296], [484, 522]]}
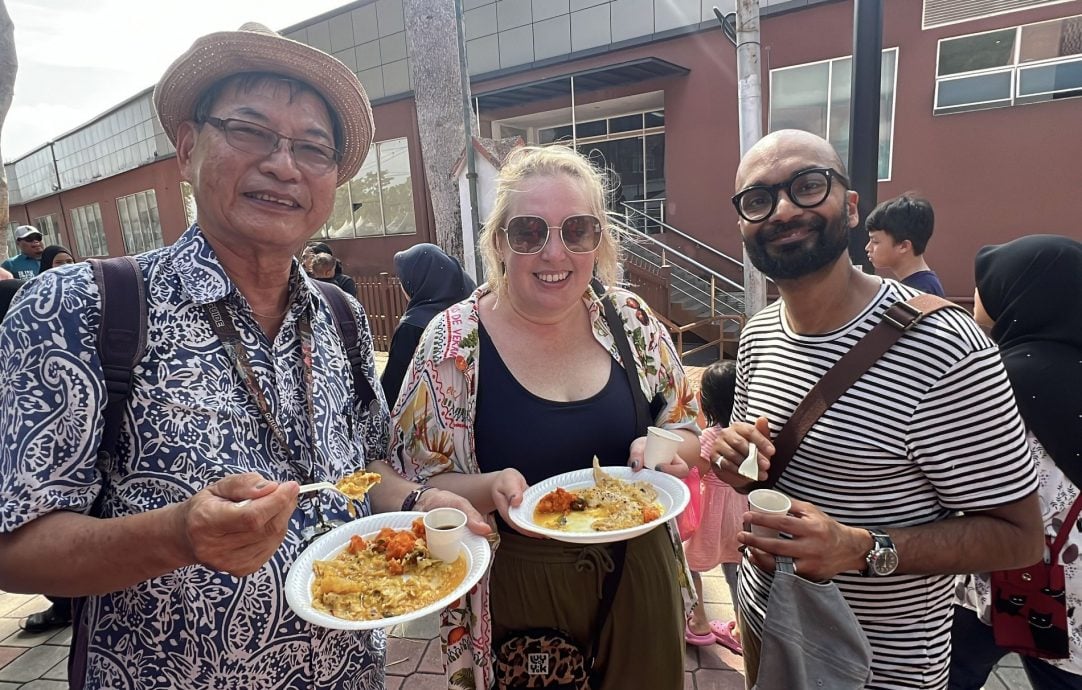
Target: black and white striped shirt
{"points": [[929, 430]]}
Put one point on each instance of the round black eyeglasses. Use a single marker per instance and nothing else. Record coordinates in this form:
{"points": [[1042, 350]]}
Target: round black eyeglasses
{"points": [[806, 189]]}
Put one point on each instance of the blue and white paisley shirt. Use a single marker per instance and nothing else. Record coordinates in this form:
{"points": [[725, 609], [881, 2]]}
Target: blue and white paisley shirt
{"points": [[190, 422]]}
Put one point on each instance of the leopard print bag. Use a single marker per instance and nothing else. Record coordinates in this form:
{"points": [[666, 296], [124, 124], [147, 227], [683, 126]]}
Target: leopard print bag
{"points": [[541, 658]]}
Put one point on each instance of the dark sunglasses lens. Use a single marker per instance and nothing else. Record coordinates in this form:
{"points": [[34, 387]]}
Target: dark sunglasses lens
{"points": [[581, 233], [527, 234], [810, 188]]}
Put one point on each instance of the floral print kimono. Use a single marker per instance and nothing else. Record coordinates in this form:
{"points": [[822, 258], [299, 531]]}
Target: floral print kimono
{"points": [[432, 432]]}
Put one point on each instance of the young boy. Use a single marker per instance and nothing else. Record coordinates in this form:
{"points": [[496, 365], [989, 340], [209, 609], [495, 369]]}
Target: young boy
{"points": [[898, 234]]}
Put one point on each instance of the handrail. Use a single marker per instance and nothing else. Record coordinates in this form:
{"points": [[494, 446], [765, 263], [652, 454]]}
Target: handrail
{"points": [[638, 235], [686, 236]]}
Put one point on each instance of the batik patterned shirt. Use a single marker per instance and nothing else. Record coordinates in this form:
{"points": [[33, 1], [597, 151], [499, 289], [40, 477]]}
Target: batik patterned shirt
{"points": [[432, 432], [190, 421]]}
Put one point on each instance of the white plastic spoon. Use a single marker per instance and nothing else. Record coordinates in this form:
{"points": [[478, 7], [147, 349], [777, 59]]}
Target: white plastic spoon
{"points": [[750, 467]]}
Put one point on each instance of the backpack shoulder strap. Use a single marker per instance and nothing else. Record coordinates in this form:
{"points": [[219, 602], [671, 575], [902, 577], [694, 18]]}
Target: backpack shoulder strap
{"points": [[345, 321], [122, 338]]}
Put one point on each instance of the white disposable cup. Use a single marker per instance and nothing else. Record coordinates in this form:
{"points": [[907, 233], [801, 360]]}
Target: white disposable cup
{"points": [[661, 445], [770, 502], [444, 529]]}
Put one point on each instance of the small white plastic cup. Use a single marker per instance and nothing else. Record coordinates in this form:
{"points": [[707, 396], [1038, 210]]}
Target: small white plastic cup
{"points": [[770, 502], [661, 445], [444, 529]]}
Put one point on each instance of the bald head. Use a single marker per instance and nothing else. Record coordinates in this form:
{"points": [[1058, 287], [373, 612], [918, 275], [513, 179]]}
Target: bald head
{"points": [[788, 149]]}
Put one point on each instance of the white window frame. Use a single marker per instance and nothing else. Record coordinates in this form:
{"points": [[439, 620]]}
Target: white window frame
{"points": [[89, 240], [999, 13], [830, 87], [1015, 69], [137, 237], [324, 232], [49, 227]]}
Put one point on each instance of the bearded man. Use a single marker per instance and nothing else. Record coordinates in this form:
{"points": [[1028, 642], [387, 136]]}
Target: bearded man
{"points": [[880, 483]]}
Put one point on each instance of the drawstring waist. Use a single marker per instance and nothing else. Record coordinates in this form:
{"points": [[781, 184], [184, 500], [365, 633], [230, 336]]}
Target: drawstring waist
{"points": [[586, 558]]}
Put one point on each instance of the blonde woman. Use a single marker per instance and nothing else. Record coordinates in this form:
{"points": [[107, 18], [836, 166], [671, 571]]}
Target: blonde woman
{"points": [[523, 381]]}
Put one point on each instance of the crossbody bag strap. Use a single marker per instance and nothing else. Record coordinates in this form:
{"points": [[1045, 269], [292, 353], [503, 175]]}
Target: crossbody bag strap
{"points": [[896, 320], [623, 346], [1065, 530]]}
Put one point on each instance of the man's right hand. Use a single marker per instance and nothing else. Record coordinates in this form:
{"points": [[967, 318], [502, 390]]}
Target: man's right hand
{"points": [[731, 448], [232, 538]]}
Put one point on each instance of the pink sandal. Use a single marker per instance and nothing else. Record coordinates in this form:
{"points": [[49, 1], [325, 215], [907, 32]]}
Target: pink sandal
{"points": [[698, 640], [723, 634]]}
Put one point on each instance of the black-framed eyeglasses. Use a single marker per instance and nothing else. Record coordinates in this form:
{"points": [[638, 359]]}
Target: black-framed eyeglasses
{"points": [[807, 189], [581, 234], [316, 158]]}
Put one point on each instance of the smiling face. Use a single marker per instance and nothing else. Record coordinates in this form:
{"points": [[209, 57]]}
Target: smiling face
{"points": [[795, 242], [544, 286], [248, 200]]}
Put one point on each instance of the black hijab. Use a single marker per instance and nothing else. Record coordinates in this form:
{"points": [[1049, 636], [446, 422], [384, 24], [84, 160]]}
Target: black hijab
{"points": [[433, 281], [1032, 289], [48, 255]]}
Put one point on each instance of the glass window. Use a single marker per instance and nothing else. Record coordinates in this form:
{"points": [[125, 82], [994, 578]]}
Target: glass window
{"points": [[139, 221], [379, 199], [654, 119], [594, 128], [50, 229], [1023, 64], [625, 123], [815, 98], [981, 51], [89, 232]]}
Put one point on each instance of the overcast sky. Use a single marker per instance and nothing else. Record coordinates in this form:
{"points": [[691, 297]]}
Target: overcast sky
{"points": [[78, 58]]}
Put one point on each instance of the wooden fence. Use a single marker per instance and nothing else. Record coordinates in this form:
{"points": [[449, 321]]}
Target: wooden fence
{"points": [[384, 302]]}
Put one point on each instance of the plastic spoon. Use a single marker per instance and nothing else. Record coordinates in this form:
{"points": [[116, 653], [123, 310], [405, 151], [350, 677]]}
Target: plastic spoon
{"points": [[750, 467]]}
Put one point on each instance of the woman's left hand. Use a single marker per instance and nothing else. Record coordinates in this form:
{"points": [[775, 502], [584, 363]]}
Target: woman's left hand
{"points": [[677, 467]]}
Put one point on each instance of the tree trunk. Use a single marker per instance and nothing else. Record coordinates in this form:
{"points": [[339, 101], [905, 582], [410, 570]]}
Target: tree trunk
{"points": [[432, 38], [9, 65]]}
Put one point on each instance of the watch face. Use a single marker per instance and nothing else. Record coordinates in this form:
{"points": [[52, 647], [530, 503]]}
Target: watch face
{"points": [[885, 562]]}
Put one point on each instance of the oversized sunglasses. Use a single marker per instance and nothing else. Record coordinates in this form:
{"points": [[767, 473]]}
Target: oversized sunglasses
{"points": [[806, 189], [580, 234]]}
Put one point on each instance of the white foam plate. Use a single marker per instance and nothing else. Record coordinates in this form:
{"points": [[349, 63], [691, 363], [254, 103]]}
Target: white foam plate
{"points": [[300, 576], [672, 495]]}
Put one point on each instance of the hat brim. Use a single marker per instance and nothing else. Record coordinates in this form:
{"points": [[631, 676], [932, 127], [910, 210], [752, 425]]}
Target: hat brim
{"points": [[226, 53]]}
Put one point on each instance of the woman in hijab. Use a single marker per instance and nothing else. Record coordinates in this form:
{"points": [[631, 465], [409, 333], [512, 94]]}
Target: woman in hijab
{"points": [[1028, 296], [432, 281], [54, 255]]}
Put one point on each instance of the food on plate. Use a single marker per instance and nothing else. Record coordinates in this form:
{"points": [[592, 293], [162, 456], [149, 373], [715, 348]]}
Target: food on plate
{"points": [[610, 504], [356, 485], [386, 574]]}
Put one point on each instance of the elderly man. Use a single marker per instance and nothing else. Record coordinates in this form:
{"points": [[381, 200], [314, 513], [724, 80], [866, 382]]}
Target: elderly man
{"points": [[181, 539], [929, 431], [28, 263]]}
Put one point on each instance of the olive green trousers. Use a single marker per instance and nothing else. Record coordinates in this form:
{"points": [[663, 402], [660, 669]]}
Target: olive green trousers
{"points": [[541, 583]]}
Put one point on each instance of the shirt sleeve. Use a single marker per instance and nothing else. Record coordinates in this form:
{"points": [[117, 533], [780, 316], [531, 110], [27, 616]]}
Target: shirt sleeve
{"points": [[968, 438], [706, 443], [52, 394], [432, 417]]}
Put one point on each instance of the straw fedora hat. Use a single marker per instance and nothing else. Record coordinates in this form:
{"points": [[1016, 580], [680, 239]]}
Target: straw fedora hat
{"points": [[255, 48]]}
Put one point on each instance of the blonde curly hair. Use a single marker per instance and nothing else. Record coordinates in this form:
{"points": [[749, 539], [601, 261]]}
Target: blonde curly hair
{"points": [[536, 161]]}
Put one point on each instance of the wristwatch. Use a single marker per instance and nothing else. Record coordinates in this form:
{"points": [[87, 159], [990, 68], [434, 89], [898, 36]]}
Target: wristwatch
{"points": [[883, 557], [412, 498]]}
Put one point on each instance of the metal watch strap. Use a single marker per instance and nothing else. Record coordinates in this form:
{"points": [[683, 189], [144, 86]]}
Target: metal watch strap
{"points": [[414, 496]]}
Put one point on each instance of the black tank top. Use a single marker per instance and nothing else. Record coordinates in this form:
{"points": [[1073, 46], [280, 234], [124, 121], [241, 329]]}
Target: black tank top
{"points": [[542, 438]]}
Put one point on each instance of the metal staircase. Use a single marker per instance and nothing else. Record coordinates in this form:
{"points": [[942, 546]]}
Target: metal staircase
{"points": [[708, 301]]}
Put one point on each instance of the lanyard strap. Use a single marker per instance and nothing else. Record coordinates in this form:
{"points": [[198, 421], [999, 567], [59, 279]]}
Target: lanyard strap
{"points": [[222, 325]]}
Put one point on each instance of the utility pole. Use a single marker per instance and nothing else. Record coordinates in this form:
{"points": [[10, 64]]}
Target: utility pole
{"points": [[471, 225], [745, 35], [864, 119]]}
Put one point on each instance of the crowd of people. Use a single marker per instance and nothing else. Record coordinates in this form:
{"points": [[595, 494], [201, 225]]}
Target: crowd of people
{"points": [[952, 456]]}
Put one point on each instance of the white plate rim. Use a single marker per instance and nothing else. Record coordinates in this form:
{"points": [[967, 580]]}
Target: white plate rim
{"points": [[298, 585], [671, 491]]}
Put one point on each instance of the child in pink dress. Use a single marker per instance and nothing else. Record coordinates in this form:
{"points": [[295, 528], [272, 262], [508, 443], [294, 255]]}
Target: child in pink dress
{"points": [[714, 542]]}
